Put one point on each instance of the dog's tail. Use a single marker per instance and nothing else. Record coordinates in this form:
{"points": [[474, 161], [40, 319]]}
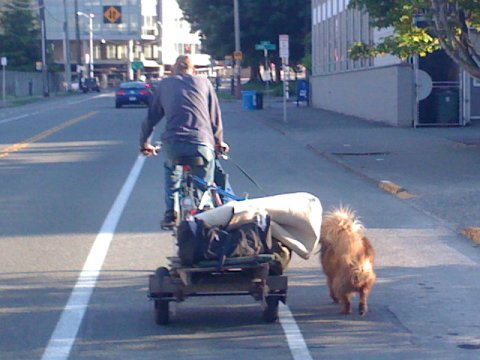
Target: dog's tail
{"points": [[343, 231]]}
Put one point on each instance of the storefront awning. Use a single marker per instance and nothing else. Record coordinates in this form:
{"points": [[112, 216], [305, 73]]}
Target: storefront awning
{"points": [[150, 64]]}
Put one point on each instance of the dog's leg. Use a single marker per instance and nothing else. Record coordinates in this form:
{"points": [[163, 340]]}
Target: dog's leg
{"points": [[334, 298], [363, 304], [347, 304], [332, 294]]}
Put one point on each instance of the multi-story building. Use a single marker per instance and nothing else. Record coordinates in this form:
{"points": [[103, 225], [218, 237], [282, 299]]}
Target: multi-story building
{"points": [[419, 91], [129, 38]]}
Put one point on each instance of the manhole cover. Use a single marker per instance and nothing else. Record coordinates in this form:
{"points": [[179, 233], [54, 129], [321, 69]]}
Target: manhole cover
{"points": [[369, 153], [469, 346]]}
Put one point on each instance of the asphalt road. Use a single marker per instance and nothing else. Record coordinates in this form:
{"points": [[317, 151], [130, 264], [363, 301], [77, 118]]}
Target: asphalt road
{"points": [[72, 188]]}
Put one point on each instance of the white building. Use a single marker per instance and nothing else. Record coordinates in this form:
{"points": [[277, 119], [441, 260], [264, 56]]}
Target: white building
{"points": [[383, 89], [177, 38], [127, 35]]}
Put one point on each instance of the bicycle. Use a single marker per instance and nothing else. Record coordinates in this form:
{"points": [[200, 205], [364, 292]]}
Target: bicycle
{"points": [[193, 194]]}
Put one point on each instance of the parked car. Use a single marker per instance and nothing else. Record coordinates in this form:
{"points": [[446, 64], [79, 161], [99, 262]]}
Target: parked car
{"points": [[132, 92], [90, 84], [152, 84]]}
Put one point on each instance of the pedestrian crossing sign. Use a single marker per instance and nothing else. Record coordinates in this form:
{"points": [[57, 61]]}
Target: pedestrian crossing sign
{"points": [[112, 14]]}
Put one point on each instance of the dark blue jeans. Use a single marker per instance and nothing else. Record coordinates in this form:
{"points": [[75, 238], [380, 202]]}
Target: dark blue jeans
{"points": [[173, 173]]}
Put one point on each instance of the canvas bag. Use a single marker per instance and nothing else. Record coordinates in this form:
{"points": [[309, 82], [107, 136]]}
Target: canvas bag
{"points": [[197, 240]]}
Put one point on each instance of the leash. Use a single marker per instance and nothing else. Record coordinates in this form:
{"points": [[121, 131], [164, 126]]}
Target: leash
{"points": [[244, 172]]}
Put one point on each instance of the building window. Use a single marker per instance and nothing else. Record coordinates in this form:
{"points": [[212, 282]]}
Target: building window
{"points": [[335, 29], [96, 52], [122, 52], [111, 53], [148, 52]]}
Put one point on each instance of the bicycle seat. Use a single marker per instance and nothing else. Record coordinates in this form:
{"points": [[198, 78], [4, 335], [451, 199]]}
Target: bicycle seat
{"points": [[189, 160]]}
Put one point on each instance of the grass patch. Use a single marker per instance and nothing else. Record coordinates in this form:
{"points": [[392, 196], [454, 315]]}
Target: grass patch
{"points": [[274, 89], [224, 94], [23, 100]]}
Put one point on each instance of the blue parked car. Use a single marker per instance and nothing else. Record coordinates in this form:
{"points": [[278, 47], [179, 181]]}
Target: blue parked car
{"points": [[132, 93]]}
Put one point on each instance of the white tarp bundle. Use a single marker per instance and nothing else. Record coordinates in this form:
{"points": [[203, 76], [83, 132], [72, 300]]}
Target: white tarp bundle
{"points": [[296, 218]]}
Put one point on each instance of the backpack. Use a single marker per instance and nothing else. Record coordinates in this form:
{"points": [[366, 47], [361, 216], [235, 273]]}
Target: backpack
{"points": [[197, 241]]}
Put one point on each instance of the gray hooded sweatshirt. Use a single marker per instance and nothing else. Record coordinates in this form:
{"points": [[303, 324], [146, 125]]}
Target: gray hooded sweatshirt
{"points": [[191, 110]]}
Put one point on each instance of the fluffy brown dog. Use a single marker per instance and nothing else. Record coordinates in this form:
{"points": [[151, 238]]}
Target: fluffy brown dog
{"points": [[347, 258]]}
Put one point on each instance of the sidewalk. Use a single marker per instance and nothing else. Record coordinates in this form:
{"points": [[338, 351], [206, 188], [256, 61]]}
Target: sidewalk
{"points": [[436, 170]]}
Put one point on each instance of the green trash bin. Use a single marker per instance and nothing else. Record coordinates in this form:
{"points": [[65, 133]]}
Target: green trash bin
{"points": [[446, 105]]}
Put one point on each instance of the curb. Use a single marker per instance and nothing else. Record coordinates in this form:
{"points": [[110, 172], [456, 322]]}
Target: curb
{"points": [[472, 233], [395, 189]]}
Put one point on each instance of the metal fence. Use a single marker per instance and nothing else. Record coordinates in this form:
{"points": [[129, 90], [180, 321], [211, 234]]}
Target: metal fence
{"points": [[21, 84]]}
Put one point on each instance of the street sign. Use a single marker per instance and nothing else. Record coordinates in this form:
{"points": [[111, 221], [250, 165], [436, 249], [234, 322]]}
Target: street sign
{"points": [[265, 45], [4, 61], [237, 55], [283, 45], [137, 65], [112, 14]]}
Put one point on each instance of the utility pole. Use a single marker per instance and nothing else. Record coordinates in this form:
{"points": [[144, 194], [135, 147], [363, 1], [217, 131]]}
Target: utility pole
{"points": [[237, 50], [160, 31], [78, 45], [66, 49], [90, 27], [46, 91], [90, 17]]}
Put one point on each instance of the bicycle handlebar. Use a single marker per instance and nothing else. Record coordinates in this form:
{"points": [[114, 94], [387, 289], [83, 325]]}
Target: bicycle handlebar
{"points": [[151, 151]]}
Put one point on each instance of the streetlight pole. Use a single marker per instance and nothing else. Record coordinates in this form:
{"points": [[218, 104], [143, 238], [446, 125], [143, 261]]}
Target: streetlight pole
{"points": [[160, 31], [46, 89], [90, 17], [237, 49], [160, 34], [79, 47], [66, 49]]}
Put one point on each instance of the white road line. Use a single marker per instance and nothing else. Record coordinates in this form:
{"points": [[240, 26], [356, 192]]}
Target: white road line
{"points": [[65, 332], [13, 118], [295, 340], [4, 121]]}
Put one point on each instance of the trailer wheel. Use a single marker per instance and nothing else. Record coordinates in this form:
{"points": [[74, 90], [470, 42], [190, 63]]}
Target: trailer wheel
{"points": [[162, 312], [270, 313], [162, 309], [162, 272]]}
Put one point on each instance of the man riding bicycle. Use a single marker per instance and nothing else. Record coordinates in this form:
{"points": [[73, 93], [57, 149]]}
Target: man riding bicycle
{"points": [[193, 127]]}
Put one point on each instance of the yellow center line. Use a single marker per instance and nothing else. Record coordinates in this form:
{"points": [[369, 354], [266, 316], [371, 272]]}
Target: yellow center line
{"points": [[25, 143]]}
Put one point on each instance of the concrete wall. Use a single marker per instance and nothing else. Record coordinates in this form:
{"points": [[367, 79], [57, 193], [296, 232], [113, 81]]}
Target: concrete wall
{"points": [[17, 83], [383, 94]]}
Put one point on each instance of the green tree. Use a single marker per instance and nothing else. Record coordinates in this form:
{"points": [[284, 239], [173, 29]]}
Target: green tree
{"points": [[260, 20], [20, 38], [423, 26]]}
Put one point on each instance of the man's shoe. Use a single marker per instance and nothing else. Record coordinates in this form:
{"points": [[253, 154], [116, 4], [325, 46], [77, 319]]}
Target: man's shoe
{"points": [[169, 220]]}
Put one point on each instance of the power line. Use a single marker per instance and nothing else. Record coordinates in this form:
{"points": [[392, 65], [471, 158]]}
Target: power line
{"points": [[52, 16]]}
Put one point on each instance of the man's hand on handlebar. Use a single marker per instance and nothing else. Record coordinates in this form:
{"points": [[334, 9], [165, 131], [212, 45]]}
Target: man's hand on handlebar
{"points": [[222, 149], [149, 150]]}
